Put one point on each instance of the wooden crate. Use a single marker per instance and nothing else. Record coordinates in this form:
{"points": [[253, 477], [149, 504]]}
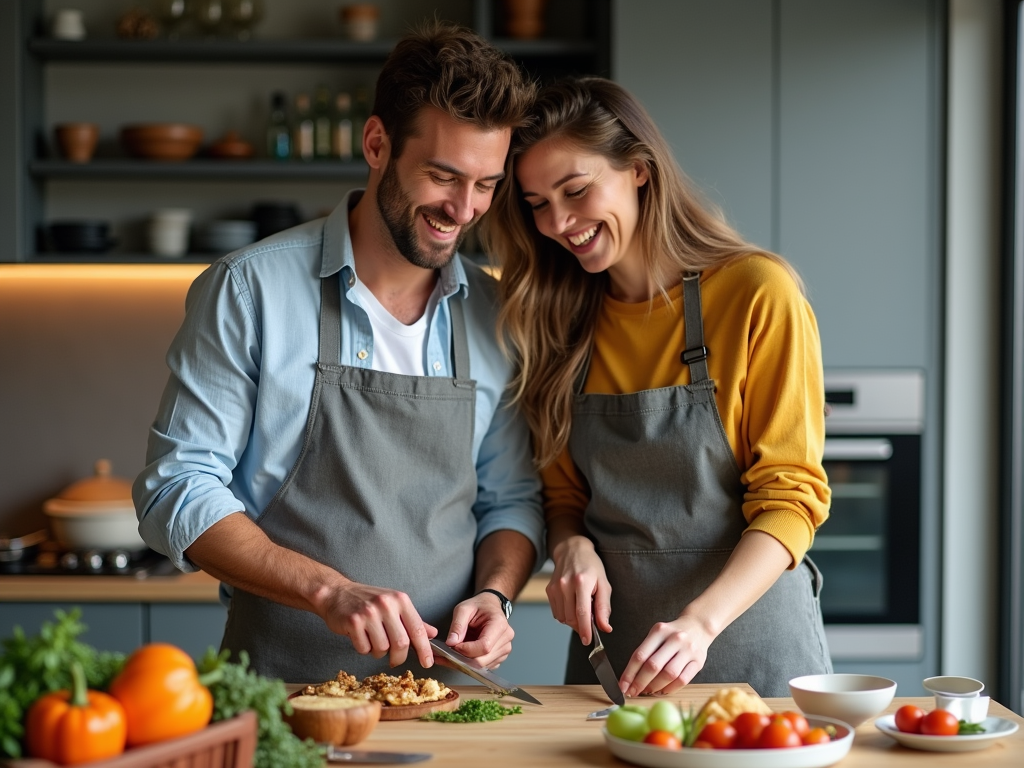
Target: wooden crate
{"points": [[227, 744]]}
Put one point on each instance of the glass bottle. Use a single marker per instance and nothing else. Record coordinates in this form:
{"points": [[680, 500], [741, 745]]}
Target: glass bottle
{"points": [[208, 15], [322, 123], [242, 15], [279, 139], [342, 145], [302, 138], [360, 114]]}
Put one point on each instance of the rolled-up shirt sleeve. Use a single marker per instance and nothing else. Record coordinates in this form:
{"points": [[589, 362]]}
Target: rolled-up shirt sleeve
{"points": [[204, 418], [508, 488]]}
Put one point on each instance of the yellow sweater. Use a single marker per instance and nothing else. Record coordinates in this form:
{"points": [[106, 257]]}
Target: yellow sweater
{"points": [[764, 355]]}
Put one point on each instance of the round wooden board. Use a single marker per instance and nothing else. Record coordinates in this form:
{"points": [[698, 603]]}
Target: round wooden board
{"points": [[415, 711]]}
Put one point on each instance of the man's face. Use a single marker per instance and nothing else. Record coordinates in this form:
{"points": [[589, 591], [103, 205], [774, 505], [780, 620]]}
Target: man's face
{"points": [[440, 186]]}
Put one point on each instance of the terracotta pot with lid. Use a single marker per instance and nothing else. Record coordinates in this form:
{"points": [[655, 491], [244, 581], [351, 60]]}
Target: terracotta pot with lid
{"points": [[95, 513]]}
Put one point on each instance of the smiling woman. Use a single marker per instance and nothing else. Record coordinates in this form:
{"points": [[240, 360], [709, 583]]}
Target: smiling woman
{"points": [[671, 376]]}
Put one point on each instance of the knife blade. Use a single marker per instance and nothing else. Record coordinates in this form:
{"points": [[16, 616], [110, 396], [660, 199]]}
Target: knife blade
{"points": [[468, 666], [362, 756], [603, 667]]}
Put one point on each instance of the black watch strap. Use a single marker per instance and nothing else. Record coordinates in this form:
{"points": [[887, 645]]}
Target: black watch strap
{"points": [[506, 604]]}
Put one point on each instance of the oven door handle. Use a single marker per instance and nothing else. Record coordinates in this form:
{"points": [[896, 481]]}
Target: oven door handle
{"points": [[857, 449]]}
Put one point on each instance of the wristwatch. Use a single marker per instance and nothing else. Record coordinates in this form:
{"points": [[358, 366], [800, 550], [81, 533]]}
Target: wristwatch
{"points": [[506, 604]]}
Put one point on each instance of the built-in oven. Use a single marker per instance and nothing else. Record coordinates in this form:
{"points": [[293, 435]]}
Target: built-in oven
{"points": [[869, 550]]}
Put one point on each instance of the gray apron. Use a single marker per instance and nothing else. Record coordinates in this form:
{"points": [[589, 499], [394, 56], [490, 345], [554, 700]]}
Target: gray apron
{"points": [[665, 514], [382, 491]]}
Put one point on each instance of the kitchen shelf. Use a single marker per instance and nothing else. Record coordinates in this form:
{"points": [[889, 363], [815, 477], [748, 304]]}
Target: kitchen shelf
{"points": [[116, 168], [122, 258], [269, 51]]}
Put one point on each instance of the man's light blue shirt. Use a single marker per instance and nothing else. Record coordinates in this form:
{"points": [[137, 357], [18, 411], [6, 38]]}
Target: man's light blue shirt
{"points": [[232, 418]]}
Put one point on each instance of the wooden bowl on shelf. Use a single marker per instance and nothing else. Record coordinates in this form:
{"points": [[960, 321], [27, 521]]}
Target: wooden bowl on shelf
{"points": [[333, 720], [162, 141]]}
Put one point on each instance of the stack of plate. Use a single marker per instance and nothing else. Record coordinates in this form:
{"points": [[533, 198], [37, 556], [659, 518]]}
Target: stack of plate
{"points": [[226, 235]]}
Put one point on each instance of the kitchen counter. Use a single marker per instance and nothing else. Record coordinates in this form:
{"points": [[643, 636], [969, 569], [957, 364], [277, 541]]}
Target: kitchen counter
{"points": [[557, 735], [198, 587]]}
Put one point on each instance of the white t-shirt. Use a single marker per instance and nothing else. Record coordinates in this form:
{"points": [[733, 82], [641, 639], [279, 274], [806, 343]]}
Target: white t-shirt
{"points": [[397, 347]]}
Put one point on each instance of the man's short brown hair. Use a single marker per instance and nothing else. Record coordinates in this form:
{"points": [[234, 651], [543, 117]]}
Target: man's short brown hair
{"points": [[455, 70]]}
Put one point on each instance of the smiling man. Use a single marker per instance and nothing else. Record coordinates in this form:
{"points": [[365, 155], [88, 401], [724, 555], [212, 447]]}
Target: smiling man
{"points": [[333, 443]]}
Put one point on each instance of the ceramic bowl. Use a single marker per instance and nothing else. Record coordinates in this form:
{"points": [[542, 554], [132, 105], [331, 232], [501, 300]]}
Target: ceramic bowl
{"points": [[162, 141], [847, 697], [332, 720]]}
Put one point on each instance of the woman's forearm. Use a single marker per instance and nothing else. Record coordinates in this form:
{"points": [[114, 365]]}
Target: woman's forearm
{"points": [[754, 565]]}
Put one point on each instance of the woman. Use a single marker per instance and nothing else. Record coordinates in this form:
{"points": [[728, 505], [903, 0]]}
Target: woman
{"points": [[671, 376]]}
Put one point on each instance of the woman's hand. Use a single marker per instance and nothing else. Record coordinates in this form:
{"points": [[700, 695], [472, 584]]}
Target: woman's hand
{"points": [[668, 658], [579, 580]]}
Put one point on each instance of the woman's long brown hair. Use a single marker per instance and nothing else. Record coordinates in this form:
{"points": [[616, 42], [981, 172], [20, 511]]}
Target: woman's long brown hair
{"points": [[549, 303]]}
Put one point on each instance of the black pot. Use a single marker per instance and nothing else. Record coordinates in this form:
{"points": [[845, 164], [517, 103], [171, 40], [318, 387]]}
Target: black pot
{"points": [[273, 217], [80, 236]]}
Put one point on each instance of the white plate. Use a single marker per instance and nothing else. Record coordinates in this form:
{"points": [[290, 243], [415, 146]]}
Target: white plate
{"points": [[995, 728], [815, 756]]}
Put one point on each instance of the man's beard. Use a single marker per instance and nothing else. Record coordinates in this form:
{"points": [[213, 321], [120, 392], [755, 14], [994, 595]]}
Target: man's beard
{"points": [[400, 219]]}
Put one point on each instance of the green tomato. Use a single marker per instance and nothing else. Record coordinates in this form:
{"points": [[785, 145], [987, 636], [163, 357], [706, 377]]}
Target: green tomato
{"points": [[631, 726], [636, 708], [665, 716]]}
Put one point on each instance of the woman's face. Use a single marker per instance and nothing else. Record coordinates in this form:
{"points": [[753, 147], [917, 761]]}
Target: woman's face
{"points": [[583, 203]]}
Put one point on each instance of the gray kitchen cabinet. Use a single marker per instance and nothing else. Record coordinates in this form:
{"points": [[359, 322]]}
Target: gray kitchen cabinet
{"points": [[193, 627], [539, 649], [110, 626]]}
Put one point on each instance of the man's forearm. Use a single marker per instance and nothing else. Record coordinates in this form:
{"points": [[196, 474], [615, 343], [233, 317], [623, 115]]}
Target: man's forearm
{"points": [[504, 561], [236, 551]]}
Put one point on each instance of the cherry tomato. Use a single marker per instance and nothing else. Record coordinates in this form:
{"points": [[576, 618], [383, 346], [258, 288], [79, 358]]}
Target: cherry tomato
{"points": [[719, 734], [939, 722], [663, 739], [698, 744], [816, 736], [798, 721], [908, 718], [779, 734], [748, 727]]}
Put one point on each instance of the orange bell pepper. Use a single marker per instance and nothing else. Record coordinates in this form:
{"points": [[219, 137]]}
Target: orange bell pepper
{"points": [[76, 726], [162, 694]]}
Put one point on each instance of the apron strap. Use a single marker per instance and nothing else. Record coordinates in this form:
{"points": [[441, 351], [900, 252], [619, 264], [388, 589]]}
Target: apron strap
{"points": [[330, 320], [695, 355], [460, 343]]}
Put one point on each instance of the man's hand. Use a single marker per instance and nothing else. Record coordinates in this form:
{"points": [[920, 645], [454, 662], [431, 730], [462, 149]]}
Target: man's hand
{"points": [[379, 622], [481, 631]]}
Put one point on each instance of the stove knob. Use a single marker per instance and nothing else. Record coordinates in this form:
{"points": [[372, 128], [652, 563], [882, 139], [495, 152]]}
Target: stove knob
{"points": [[69, 561], [118, 559], [93, 560]]}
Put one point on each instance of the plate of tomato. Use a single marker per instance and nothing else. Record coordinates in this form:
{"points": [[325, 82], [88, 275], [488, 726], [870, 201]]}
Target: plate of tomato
{"points": [[940, 731], [715, 752]]}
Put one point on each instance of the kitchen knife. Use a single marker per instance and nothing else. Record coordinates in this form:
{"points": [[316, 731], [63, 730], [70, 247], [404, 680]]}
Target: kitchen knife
{"points": [[483, 675], [603, 667], [357, 756]]}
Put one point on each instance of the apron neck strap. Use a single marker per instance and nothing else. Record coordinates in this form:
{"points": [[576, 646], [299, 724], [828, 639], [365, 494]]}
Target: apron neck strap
{"points": [[330, 328], [460, 343], [330, 319], [695, 355]]}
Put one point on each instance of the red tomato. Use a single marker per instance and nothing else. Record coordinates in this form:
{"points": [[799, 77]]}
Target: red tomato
{"points": [[817, 736], [779, 734], [798, 721], [698, 744], [939, 722], [719, 734], [908, 718], [748, 727], [663, 739]]}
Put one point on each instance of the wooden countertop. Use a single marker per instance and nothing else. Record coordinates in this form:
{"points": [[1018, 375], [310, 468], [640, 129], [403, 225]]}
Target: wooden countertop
{"points": [[198, 587], [558, 735]]}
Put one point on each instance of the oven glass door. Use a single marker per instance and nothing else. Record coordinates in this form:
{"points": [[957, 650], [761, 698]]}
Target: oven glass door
{"points": [[869, 548]]}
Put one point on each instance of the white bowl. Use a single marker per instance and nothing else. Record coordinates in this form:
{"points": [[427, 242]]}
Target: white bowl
{"points": [[850, 698]]}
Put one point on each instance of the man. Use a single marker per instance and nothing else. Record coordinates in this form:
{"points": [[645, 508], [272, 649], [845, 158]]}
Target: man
{"points": [[333, 443]]}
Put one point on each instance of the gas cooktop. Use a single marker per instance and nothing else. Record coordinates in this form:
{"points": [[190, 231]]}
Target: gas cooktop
{"points": [[48, 559]]}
